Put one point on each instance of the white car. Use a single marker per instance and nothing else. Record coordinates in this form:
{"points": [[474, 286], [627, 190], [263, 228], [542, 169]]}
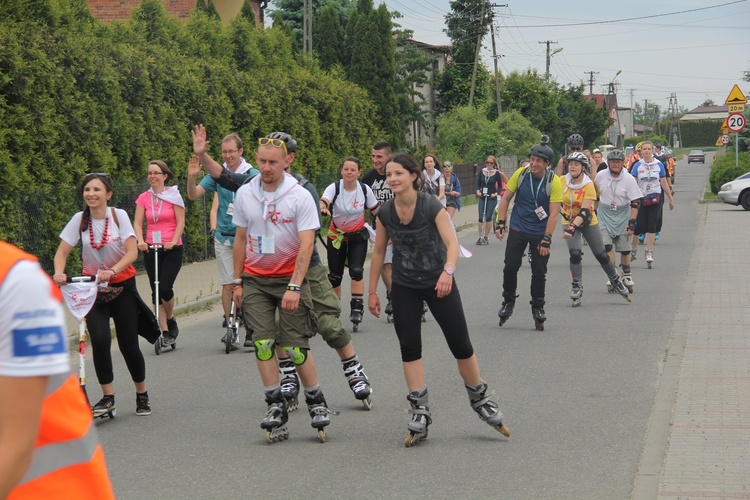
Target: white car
{"points": [[737, 192]]}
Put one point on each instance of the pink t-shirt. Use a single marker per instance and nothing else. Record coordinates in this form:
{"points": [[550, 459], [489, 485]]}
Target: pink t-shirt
{"points": [[160, 216]]}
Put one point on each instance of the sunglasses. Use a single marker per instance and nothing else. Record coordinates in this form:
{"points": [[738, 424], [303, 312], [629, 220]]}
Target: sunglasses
{"points": [[576, 149], [277, 143]]}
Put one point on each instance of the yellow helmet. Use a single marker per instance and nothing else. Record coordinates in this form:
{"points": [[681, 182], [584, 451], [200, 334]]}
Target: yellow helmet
{"points": [[638, 146]]}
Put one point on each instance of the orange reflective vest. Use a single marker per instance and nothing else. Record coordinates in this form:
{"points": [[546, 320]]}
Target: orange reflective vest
{"points": [[68, 461]]}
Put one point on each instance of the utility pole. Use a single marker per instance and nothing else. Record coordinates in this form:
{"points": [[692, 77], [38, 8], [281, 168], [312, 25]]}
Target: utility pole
{"points": [[674, 122], [476, 55], [631, 97], [495, 58], [549, 56], [591, 80], [657, 125], [307, 28]]}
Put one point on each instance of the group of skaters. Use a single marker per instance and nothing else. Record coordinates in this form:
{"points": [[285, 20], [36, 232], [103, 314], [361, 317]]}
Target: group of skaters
{"points": [[609, 210]]}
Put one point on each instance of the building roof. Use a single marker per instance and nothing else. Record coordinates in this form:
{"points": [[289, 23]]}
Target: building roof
{"points": [[706, 113]]}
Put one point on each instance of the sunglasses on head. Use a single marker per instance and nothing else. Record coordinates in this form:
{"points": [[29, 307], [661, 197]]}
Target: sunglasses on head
{"points": [[277, 143], [96, 174]]}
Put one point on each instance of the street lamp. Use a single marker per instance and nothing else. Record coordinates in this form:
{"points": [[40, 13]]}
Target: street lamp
{"points": [[549, 56]]}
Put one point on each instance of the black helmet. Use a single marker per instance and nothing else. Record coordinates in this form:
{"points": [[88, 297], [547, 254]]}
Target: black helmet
{"points": [[542, 151], [575, 140], [616, 154], [291, 144], [580, 158]]}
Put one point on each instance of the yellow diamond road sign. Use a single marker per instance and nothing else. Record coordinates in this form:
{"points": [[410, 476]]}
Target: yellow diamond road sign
{"points": [[736, 96]]}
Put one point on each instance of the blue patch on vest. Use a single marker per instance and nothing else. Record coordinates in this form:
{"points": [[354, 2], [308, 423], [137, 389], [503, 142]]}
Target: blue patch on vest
{"points": [[38, 341]]}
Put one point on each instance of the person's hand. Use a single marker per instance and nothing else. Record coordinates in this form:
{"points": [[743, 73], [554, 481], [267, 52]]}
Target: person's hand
{"points": [[105, 275], [566, 235], [60, 278], [200, 144], [237, 296], [143, 246], [194, 166], [373, 304], [479, 193], [444, 285], [290, 301], [671, 204], [168, 246]]}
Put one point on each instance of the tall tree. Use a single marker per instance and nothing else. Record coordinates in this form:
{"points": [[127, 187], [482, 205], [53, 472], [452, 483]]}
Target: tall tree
{"points": [[328, 38], [247, 12], [464, 25]]}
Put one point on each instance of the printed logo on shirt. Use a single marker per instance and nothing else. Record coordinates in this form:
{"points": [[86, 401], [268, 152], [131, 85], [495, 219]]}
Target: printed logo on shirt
{"points": [[39, 313], [30, 342]]}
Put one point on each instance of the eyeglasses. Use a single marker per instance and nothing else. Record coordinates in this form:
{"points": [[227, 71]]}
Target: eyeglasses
{"points": [[575, 149], [151, 174], [447, 165], [489, 163], [277, 143], [230, 152]]}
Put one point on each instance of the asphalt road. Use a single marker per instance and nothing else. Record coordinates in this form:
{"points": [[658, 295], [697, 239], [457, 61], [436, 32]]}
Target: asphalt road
{"points": [[577, 396]]}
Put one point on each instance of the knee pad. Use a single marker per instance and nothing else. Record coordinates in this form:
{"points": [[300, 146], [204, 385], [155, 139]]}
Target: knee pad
{"points": [[575, 256], [298, 355], [335, 280], [603, 258], [264, 349], [607, 248], [356, 273]]}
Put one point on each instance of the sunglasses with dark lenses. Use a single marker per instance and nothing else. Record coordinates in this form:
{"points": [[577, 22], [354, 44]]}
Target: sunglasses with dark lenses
{"points": [[277, 143]]}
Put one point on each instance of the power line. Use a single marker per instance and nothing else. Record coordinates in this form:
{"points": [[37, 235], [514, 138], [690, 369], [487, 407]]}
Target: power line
{"points": [[588, 23]]}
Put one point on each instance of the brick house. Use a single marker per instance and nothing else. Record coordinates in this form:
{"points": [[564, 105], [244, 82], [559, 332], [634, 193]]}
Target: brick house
{"points": [[111, 10]]}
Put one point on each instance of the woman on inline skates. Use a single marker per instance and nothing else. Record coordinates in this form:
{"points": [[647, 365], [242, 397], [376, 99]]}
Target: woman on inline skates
{"points": [[425, 251]]}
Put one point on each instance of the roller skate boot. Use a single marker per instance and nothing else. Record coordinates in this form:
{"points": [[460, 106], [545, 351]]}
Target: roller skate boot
{"points": [[486, 408], [388, 308], [628, 282], [358, 381], [649, 257], [641, 239], [289, 381], [656, 237], [537, 311], [275, 421], [576, 292], [506, 310], [633, 255], [319, 412], [425, 308], [358, 310], [619, 287], [105, 407], [420, 417]]}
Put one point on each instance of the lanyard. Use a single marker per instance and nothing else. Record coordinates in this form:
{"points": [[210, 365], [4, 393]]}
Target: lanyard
{"points": [[154, 214], [536, 194]]}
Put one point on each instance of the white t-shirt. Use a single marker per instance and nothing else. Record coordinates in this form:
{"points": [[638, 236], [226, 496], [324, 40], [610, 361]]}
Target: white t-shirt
{"points": [[349, 208], [649, 175], [617, 191], [94, 260], [277, 217], [32, 337]]}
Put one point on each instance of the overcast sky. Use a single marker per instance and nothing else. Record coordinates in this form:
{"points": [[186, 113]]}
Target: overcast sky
{"points": [[660, 48]]}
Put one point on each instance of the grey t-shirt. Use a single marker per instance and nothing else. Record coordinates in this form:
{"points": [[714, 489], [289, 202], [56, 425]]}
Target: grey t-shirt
{"points": [[418, 251]]}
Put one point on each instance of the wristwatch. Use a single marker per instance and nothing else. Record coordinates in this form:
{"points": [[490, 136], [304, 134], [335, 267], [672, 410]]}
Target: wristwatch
{"points": [[448, 271]]}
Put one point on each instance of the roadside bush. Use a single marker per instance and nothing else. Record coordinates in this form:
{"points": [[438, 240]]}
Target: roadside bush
{"points": [[724, 170]]}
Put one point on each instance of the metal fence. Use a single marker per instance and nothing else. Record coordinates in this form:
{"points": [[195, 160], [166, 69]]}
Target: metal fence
{"points": [[467, 172]]}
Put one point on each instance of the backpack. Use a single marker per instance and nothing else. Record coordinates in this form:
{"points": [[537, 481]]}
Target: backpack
{"points": [[548, 173], [338, 190]]}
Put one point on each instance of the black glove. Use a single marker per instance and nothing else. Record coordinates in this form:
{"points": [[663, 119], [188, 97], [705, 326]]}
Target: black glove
{"points": [[499, 226], [212, 236], [631, 225], [571, 230], [546, 241]]}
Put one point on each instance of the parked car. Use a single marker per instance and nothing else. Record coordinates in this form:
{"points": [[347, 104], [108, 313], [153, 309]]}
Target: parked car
{"points": [[737, 192], [696, 156]]}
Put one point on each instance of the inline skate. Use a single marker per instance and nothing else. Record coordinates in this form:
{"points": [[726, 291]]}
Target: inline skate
{"points": [[486, 408], [276, 418], [420, 417]]}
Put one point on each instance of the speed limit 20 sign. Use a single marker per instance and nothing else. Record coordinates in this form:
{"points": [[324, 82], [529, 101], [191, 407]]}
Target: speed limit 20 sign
{"points": [[736, 122]]}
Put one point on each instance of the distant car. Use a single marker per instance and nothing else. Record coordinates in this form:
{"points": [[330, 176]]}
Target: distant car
{"points": [[696, 156], [737, 192]]}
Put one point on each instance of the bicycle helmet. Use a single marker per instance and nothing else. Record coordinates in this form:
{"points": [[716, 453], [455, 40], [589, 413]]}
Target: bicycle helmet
{"points": [[580, 158], [291, 144], [542, 150], [616, 154], [575, 141], [638, 146]]}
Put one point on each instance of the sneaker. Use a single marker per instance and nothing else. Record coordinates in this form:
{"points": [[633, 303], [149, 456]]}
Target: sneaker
{"points": [[142, 404], [486, 240], [172, 327], [104, 406], [224, 323], [480, 241]]}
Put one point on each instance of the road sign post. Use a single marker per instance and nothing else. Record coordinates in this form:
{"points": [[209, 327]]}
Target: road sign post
{"points": [[736, 121]]}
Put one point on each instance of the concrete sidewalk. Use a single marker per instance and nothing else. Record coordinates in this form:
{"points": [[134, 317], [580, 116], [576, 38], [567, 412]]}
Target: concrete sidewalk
{"points": [[698, 443]]}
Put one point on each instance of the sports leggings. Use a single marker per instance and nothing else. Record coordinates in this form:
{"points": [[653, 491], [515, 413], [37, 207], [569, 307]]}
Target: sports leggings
{"points": [[124, 311], [353, 251], [170, 263], [594, 238], [448, 312]]}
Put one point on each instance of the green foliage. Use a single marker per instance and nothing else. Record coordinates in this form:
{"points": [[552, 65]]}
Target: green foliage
{"points": [[328, 38], [247, 13], [466, 135], [80, 96], [699, 133], [529, 94], [724, 170]]}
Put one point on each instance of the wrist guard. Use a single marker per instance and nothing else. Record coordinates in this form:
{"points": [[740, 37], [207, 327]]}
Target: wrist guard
{"points": [[546, 241], [631, 225], [634, 204], [499, 225], [571, 230], [586, 215]]}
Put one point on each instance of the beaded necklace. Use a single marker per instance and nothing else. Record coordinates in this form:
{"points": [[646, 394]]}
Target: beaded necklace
{"points": [[105, 234]]}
